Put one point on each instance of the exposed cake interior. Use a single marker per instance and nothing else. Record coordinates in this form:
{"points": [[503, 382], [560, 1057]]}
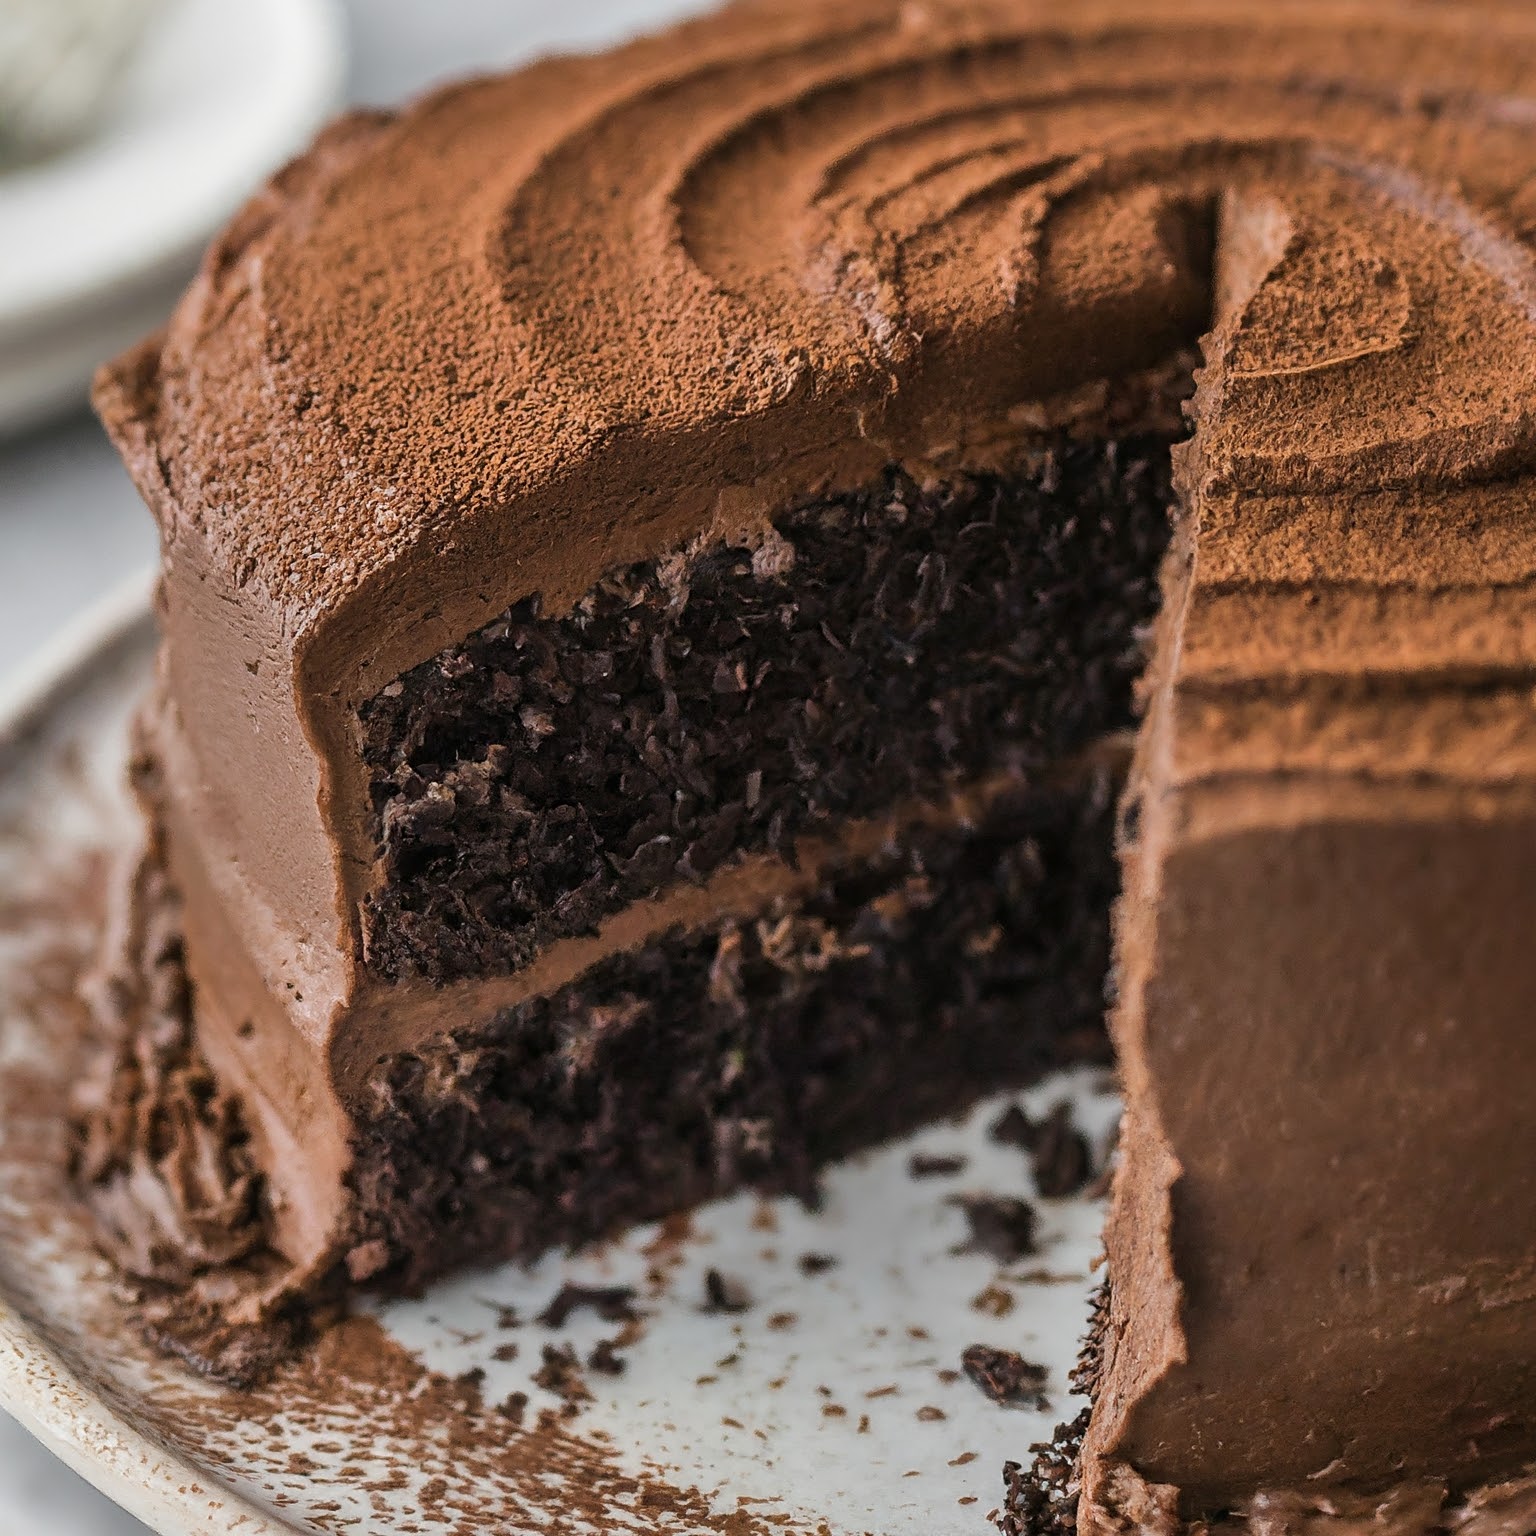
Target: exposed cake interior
{"points": [[934, 667], [867, 651], [750, 1051]]}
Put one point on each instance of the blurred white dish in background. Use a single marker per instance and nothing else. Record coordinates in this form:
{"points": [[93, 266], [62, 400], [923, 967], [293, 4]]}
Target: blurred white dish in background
{"points": [[60, 62], [96, 240]]}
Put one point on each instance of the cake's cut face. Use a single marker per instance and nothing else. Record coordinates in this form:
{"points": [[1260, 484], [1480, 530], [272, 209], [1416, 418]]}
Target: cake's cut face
{"points": [[664, 554], [863, 653]]}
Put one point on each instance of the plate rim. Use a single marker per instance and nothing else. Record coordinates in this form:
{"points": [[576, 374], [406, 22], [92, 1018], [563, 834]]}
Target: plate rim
{"points": [[47, 1398], [39, 1388]]}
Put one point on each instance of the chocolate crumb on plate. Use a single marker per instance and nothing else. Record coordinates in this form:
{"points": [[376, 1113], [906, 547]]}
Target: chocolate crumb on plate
{"points": [[1000, 1225], [929, 1165], [1005, 1376], [816, 1263], [994, 1301], [724, 1294], [1060, 1157], [612, 1303], [605, 1358], [1013, 1128], [561, 1374]]}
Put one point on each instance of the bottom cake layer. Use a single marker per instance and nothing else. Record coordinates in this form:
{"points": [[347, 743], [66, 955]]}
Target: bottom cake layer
{"points": [[748, 1052]]}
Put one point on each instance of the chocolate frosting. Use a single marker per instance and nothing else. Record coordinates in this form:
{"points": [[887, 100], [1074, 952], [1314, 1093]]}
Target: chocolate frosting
{"points": [[536, 327]]}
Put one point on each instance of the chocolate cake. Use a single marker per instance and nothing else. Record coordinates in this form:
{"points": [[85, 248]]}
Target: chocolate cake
{"points": [[693, 577]]}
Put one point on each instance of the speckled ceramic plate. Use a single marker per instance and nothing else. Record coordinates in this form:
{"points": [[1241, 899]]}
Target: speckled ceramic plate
{"points": [[832, 1404]]}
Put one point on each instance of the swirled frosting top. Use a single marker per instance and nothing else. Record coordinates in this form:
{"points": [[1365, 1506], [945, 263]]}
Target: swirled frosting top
{"points": [[520, 315]]}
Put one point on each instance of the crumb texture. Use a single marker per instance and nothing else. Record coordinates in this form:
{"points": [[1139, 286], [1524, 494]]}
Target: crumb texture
{"points": [[871, 650]]}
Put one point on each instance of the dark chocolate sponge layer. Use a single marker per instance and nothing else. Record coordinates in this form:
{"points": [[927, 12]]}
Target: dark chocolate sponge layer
{"points": [[751, 1052], [881, 648]]}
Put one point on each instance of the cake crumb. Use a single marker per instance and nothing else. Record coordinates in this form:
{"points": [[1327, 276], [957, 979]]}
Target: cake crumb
{"points": [[561, 1374], [995, 1301], [1059, 1154], [1002, 1226], [724, 1294], [612, 1303], [1041, 1499], [1060, 1158], [606, 1359], [1005, 1376]]}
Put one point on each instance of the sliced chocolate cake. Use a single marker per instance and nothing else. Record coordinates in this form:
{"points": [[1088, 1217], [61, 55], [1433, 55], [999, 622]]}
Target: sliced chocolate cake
{"points": [[694, 576]]}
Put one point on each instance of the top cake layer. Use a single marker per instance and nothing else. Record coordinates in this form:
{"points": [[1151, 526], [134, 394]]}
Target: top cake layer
{"points": [[525, 312]]}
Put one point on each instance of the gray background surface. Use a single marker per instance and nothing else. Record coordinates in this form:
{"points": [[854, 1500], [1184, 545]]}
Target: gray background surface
{"points": [[72, 528]]}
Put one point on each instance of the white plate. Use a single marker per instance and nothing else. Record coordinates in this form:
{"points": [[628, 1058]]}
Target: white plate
{"points": [[822, 1408], [96, 241]]}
